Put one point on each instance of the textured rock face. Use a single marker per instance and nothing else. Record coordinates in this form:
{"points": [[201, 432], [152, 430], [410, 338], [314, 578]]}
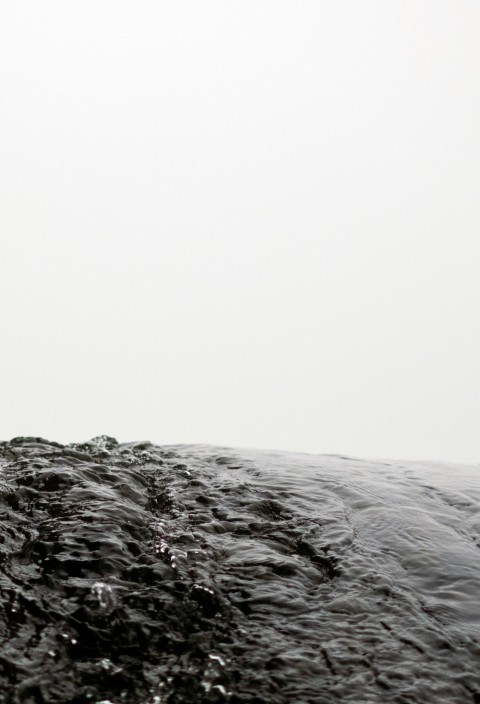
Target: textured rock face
{"points": [[136, 573]]}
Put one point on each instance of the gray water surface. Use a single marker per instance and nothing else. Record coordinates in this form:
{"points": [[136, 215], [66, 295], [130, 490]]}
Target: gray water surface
{"points": [[137, 573]]}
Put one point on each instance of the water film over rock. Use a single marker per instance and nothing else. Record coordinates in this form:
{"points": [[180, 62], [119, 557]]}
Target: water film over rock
{"points": [[143, 574]]}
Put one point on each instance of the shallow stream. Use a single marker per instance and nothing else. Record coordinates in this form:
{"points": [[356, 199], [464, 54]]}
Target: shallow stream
{"points": [[141, 574]]}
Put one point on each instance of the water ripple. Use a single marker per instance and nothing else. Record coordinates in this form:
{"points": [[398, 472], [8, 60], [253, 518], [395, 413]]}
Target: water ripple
{"points": [[132, 573]]}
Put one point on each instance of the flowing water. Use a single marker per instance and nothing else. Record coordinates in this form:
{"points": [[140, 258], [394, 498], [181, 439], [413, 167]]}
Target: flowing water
{"points": [[133, 573]]}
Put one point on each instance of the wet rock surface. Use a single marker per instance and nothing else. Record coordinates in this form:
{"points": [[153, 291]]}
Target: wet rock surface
{"points": [[145, 574]]}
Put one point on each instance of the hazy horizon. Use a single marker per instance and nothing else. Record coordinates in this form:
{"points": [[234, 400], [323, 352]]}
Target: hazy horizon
{"points": [[248, 224]]}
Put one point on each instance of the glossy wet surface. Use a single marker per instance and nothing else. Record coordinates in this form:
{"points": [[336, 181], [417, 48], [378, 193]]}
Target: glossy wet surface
{"points": [[144, 574]]}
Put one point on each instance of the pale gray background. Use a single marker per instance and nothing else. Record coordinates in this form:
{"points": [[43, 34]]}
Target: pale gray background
{"points": [[245, 222]]}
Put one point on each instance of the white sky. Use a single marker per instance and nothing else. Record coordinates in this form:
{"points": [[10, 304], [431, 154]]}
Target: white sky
{"points": [[244, 222]]}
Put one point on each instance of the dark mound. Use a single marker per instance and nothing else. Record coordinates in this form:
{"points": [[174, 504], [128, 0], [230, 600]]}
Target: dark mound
{"points": [[168, 575]]}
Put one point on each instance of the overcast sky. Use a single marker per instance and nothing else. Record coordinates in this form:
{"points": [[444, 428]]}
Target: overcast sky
{"points": [[242, 222]]}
